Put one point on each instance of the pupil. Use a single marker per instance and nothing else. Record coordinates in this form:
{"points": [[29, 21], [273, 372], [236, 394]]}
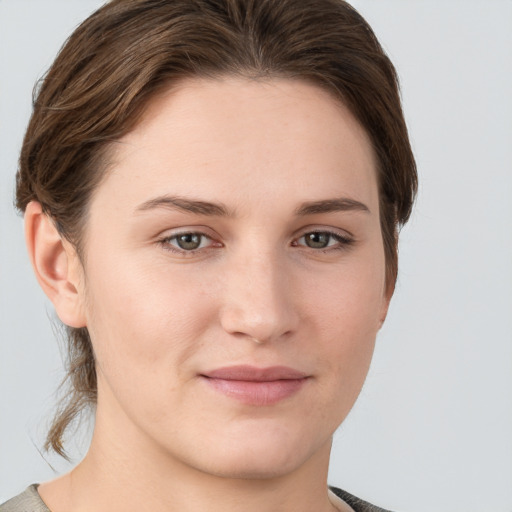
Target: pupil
{"points": [[317, 240], [189, 241]]}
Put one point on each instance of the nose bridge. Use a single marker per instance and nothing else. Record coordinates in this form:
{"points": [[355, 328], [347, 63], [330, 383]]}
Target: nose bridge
{"points": [[257, 298]]}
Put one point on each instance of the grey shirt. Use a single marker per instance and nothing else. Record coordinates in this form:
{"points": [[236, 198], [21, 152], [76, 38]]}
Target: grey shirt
{"points": [[27, 501]]}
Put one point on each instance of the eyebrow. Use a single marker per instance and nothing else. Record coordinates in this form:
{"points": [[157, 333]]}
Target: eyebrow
{"points": [[199, 207], [341, 204], [185, 205]]}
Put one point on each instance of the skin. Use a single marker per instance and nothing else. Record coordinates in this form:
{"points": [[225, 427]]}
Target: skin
{"points": [[254, 292]]}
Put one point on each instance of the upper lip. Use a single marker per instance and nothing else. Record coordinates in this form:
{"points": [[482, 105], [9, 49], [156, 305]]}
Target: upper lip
{"points": [[255, 374]]}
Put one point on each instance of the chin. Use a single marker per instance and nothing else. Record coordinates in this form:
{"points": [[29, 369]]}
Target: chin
{"points": [[261, 455], [251, 468]]}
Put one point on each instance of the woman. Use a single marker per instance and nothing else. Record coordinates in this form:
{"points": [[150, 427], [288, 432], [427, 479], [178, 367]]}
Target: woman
{"points": [[212, 194]]}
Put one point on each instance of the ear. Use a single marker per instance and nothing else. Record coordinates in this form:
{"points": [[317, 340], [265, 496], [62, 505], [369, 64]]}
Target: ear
{"points": [[384, 310], [56, 265], [386, 299]]}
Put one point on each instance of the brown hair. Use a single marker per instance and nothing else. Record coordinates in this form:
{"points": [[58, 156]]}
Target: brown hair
{"points": [[129, 50]]}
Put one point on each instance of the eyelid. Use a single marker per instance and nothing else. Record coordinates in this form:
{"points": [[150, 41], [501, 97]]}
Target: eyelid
{"points": [[343, 237], [320, 228], [164, 240]]}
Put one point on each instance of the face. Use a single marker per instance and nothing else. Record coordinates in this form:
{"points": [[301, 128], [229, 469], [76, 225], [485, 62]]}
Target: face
{"points": [[234, 276]]}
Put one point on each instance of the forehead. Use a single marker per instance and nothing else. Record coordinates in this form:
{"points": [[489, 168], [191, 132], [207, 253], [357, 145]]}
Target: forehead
{"points": [[235, 134]]}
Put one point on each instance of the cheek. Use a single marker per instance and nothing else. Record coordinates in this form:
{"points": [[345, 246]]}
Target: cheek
{"points": [[143, 321], [345, 316], [350, 299], [144, 333]]}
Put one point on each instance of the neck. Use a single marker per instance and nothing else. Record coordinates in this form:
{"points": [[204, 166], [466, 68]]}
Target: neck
{"points": [[129, 484], [124, 470]]}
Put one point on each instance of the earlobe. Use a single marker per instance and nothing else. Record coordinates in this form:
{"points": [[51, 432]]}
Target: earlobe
{"points": [[55, 264], [384, 314], [386, 299]]}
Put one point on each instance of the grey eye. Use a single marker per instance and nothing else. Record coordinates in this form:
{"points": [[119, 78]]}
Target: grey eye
{"points": [[317, 240], [189, 241]]}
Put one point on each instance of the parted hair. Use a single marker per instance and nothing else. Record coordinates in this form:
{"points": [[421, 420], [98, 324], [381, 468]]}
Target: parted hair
{"points": [[128, 51]]}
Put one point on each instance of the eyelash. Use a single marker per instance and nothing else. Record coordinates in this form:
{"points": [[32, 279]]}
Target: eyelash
{"points": [[344, 242], [167, 245]]}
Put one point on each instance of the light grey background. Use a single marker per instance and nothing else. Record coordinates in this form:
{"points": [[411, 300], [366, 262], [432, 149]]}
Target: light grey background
{"points": [[432, 430]]}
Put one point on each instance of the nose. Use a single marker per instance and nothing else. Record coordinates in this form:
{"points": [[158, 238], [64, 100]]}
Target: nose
{"points": [[258, 302]]}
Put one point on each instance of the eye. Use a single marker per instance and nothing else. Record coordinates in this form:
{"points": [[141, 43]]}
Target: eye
{"points": [[187, 242], [323, 240]]}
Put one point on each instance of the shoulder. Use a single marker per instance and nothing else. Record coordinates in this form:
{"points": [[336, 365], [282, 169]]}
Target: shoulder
{"points": [[27, 501], [357, 504]]}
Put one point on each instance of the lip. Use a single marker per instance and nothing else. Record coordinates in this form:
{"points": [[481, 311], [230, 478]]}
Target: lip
{"points": [[256, 386]]}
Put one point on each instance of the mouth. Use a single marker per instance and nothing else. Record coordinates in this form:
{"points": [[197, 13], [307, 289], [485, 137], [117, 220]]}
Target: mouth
{"points": [[256, 386]]}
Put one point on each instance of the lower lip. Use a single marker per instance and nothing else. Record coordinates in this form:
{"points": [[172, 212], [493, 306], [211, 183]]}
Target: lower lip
{"points": [[257, 392]]}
